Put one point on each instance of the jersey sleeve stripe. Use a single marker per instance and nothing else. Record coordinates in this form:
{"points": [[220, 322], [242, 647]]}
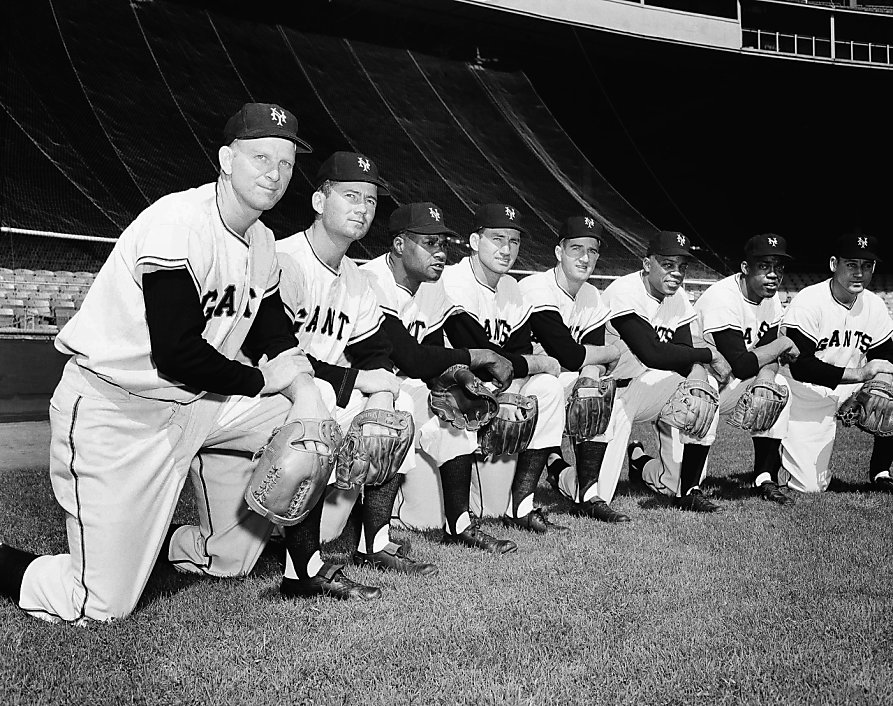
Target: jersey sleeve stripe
{"points": [[723, 327], [536, 308], [440, 322], [885, 338], [362, 336], [275, 286], [801, 330]]}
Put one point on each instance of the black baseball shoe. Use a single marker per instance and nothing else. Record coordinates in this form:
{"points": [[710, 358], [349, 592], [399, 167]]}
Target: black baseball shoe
{"points": [[537, 521], [13, 563], [771, 492], [473, 536], [883, 483], [695, 501], [330, 581], [636, 467], [598, 509], [393, 558]]}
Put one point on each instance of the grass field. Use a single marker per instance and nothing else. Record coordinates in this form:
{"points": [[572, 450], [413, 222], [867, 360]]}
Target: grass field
{"points": [[754, 605]]}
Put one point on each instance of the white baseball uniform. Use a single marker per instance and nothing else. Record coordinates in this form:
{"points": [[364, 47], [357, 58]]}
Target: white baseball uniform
{"points": [[842, 335], [420, 500], [502, 312], [332, 310], [124, 437]]}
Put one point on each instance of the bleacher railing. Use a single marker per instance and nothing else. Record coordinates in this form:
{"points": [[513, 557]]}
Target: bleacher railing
{"points": [[816, 47]]}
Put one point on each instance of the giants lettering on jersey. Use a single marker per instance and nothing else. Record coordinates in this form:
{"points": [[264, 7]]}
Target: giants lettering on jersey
{"points": [[497, 332], [664, 334], [863, 341], [327, 328], [748, 333], [415, 328], [226, 305]]}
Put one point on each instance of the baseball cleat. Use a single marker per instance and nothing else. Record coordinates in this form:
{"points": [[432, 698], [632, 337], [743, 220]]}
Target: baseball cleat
{"points": [[330, 581], [393, 558], [771, 492], [635, 467], [883, 483], [598, 509], [537, 521], [695, 501], [476, 538]]}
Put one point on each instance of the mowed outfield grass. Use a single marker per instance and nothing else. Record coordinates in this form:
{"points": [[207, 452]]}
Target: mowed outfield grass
{"points": [[754, 605]]}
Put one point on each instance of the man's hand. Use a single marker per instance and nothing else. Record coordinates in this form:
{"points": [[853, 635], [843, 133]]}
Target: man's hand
{"points": [[498, 367], [789, 352], [874, 368], [280, 372], [720, 367], [379, 380], [542, 364]]}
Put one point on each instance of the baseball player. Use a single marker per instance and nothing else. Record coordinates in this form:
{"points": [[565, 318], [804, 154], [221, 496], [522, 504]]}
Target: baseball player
{"points": [[338, 323], [568, 322], [651, 319], [406, 281], [151, 391], [843, 332], [495, 316]]}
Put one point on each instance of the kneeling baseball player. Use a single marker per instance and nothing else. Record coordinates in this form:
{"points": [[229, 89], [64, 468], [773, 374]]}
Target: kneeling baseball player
{"points": [[845, 336], [448, 417]]}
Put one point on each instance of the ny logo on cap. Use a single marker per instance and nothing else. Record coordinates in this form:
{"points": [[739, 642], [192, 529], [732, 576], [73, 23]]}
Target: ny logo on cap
{"points": [[863, 242], [510, 212], [435, 214], [680, 239], [773, 242], [277, 115], [364, 163], [589, 222]]}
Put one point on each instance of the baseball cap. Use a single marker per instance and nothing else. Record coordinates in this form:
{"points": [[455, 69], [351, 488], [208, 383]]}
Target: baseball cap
{"points": [[857, 246], [425, 218], [669, 242], [256, 120], [582, 227], [351, 166], [766, 244], [498, 215]]}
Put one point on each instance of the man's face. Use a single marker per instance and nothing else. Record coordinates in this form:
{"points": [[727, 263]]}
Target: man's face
{"points": [[577, 257], [260, 170], [498, 248], [348, 209], [665, 273], [424, 256], [763, 275], [852, 275]]}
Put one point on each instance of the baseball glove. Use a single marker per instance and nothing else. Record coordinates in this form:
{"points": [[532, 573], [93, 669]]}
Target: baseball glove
{"points": [[870, 408], [288, 479], [373, 458], [691, 408], [588, 409], [759, 406], [508, 435], [458, 398]]}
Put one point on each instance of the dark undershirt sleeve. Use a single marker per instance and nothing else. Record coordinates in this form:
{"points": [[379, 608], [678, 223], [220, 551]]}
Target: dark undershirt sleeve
{"points": [[176, 322], [371, 353], [556, 339], [340, 378], [730, 343], [595, 337], [418, 360], [465, 332], [808, 368], [647, 347], [770, 335], [882, 352], [271, 331]]}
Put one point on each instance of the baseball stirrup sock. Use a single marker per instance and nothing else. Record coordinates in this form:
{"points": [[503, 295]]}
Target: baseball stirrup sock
{"points": [[589, 455], [694, 456], [378, 503], [766, 457], [527, 476], [881, 456], [455, 478], [555, 464], [302, 542]]}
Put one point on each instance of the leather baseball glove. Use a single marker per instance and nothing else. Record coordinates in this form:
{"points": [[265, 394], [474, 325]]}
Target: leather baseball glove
{"points": [[460, 399], [870, 408], [759, 406], [289, 480], [510, 434], [369, 457], [588, 409], [691, 408]]}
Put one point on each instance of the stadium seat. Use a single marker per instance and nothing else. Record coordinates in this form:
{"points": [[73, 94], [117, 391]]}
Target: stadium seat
{"points": [[7, 317], [64, 275], [45, 274], [63, 313], [24, 275]]}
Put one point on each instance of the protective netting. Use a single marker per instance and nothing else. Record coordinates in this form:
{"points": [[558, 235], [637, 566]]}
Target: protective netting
{"points": [[125, 102]]}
